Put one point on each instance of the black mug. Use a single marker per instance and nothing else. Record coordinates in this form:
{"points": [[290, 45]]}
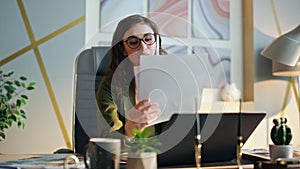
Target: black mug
{"points": [[103, 153]]}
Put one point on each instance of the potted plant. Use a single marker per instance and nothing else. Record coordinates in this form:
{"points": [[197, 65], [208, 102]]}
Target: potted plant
{"points": [[281, 136], [12, 100], [142, 150]]}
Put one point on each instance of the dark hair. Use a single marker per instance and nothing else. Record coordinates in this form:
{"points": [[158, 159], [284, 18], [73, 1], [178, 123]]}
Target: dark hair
{"points": [[123, 78], [117, 50]]}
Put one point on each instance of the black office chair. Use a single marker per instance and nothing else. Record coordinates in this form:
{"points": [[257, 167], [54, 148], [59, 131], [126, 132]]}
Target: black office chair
{"points": [[90, 66]]}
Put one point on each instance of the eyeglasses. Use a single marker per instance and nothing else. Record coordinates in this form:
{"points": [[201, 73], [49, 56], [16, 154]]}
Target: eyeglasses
{"points": [[134, 42]]}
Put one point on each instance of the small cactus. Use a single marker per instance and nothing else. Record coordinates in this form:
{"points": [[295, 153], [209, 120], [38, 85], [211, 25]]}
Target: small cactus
{"points": [[281, 134]]}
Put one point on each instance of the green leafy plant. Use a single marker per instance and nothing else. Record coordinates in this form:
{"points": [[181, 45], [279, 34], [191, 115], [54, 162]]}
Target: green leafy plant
{"points": [[142, 142], [12, 100], [281, 134]]}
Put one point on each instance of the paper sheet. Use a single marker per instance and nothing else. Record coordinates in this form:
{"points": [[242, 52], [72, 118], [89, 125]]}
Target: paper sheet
{"points": [[174, 82]]}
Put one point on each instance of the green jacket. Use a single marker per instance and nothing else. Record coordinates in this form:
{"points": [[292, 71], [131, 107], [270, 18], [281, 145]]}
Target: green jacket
{"points": [[113, 110]]}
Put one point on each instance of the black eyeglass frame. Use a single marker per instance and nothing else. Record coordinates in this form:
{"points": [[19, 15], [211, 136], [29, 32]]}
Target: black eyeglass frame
{"points": [[140, 40]]}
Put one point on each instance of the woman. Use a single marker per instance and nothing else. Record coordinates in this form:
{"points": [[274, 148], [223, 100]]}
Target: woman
{"points": [[116, 96]]}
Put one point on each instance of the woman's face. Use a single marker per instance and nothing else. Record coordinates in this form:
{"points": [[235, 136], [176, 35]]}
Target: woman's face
{"points": [[141, 31]]}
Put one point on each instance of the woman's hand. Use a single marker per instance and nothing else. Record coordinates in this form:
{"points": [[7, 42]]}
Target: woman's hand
{"points": [[140, 115]]}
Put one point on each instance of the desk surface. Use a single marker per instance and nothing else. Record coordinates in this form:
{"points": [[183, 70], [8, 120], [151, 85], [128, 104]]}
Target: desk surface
{"points": [[56, 161], [51, 161], [248, 166]]}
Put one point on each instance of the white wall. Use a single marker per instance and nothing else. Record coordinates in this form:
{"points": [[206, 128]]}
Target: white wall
{"points": [[42, 133]]}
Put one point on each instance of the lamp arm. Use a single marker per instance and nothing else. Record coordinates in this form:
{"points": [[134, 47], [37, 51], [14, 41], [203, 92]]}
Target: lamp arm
{"points": [[296, 92], [288, 87]]}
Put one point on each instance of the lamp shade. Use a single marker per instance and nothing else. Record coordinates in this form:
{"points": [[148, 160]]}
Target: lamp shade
{"points": [[284, 49], [279, 69]]}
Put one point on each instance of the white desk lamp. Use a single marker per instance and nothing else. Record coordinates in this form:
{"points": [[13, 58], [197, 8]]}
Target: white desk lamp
{"points": [[284, 52], [285, 49]]}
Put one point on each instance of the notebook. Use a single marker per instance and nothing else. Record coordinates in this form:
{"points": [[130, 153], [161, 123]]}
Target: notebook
{"points": [[218, 137]]}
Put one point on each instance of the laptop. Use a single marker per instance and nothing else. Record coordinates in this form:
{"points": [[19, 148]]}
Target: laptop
{"points": [[218, 137]]}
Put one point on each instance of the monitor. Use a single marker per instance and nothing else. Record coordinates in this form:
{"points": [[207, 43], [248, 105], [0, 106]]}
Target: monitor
{"points": [[218, 137]]}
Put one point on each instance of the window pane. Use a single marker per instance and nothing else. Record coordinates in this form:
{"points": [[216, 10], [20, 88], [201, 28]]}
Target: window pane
{"points": [[217, 63], [175, 49], [112, 11], [211, 19], [171, 16]]}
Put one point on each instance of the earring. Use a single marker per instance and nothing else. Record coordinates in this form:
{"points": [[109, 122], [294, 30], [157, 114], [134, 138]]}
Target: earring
{"points": [[124, 53]]}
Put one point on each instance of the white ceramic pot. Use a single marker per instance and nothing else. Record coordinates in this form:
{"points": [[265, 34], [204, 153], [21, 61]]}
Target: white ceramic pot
{"points": [[280, 151], [147, 160]]}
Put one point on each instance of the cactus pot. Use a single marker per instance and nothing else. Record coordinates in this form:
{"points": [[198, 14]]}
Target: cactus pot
{"points": [[146, 160], [280, 151]]}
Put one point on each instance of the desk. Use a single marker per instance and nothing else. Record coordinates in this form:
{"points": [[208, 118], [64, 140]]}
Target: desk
{"points": [[33, 161], [56, 161], [248, 166]]}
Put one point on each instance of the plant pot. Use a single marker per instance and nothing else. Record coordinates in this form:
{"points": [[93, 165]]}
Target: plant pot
{"points": [[146, 160], [280, 151]]}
